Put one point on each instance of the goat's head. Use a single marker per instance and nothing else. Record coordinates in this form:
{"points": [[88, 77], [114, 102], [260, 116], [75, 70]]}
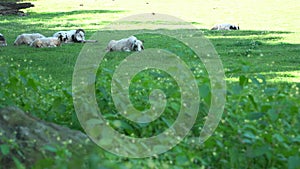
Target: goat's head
{"points": [[138, 45], [79, 35]]}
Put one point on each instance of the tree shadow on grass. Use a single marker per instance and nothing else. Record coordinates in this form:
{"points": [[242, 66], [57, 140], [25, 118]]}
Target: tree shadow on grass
{"points": [[260, 51], [45, 19], [48, 22], [51, 15]]}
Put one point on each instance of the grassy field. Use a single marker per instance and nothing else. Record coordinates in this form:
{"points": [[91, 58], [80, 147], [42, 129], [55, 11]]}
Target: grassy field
{"points": [[261, 121], [269, 36]]}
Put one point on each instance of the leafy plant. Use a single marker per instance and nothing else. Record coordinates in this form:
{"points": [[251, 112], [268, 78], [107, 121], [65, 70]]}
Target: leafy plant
{"points": [[261, 122], [40, 96]]}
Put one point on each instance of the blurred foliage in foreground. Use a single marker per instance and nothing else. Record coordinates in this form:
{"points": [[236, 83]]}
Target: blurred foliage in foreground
{"points": [[259, 129]]}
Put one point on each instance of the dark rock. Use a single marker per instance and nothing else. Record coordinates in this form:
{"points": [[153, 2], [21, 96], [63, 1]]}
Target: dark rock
{"points": [[30, 136], [13, 8]]}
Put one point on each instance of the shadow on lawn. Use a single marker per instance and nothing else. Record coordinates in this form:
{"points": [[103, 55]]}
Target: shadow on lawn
{"points": [[46, 20], [51, 15], [262, 53]]}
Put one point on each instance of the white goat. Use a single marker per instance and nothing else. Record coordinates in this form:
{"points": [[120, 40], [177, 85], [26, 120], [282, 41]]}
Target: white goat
{"points": [[27, 38], [47, 42], [126, 44]]}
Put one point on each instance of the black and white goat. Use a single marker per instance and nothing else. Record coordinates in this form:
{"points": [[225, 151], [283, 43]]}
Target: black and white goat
{"points": [[2, 40], [71, 35], [225, 26]]}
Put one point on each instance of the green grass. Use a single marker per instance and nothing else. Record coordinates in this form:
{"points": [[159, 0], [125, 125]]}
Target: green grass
{"points": [[260, 50], [274, 46], [260, 124]]}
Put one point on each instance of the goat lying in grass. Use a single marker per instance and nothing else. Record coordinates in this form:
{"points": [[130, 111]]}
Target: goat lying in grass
{"points": [[126, 44], [27, 38], [225, 26], [73, 36], [47, 42], [2, 40]]}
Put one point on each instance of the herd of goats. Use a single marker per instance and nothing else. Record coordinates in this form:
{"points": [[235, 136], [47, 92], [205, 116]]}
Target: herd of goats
{"points": [[72, 36], [78, 36]]}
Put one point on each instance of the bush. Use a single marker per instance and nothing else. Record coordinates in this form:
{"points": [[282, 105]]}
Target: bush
{"points": [[259, 129], [40, 96]]}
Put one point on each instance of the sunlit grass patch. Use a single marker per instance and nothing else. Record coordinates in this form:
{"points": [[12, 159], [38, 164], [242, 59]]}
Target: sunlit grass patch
{"points": [[284, 77], [276, 77], [260, 124]]}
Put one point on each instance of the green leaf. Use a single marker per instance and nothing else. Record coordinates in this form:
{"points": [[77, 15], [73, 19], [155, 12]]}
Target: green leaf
{"points": [[237, 89], [258, 151], [247, 141], [296, 139], [278, 137], [32, 83], [18, 164], [175, 106], [117, 123], [255, 115], [108, 70], [50, 148], [245, 68], [5, 149], [255, 81], [182, 160], [158, 148], [270, 91], [67, 93], [249, 134], [243, 80], [44, 163], [294, 162], [122, 124], [92, 123], [23, 80], [59, 106], [261, 150], [204, 90], [251, 98], [234, 156], [262, 78], [167, 121], [273, 115]]}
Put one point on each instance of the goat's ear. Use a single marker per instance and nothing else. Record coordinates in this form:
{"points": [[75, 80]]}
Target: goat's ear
{"points": [[142, 47], [78, 30], [142, 41], [38, 44], [66, 37], [132, 46], [2, 38], [60, 37]]}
